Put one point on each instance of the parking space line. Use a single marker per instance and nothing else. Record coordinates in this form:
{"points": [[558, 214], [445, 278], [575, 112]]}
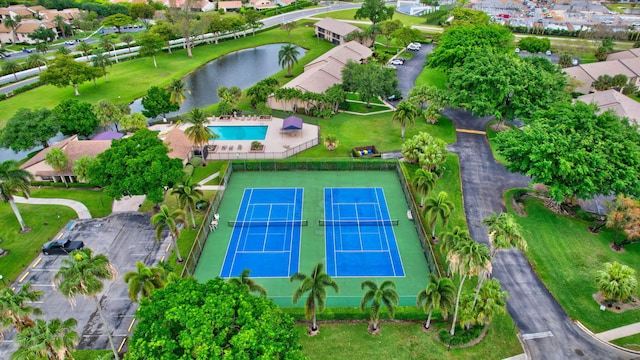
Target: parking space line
{"points": [[59, 236], [37, 262], [168, 247], [23, 277], [162, 258], [133, 321], [122, 344]]}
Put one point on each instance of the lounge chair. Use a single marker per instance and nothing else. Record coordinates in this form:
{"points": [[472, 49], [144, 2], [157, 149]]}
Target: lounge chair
{"points": [[231, 148], [239, 146], [224, 147]]}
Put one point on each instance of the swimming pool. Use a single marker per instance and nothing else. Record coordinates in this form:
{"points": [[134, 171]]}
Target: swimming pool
{"points": [[240, 132]]}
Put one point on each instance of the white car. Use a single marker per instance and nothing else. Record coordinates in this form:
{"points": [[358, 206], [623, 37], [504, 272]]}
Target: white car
{"points": [[390, 66], [69, 42], [414, 46], [397, 61]]}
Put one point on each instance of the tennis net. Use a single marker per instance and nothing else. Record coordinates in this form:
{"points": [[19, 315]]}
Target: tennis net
{"points": [[268, 223], [389, 222]]}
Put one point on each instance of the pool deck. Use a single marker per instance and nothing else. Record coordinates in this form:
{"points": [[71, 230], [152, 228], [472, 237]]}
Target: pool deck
{"points": [[278, 144]]}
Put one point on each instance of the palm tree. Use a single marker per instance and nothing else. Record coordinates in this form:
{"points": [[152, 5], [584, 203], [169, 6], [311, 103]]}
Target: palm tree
{"points": [[438, 207], [405, 114], [504, 233], [84, 47], [178, 90], [251, 285], [12, 23], [199, 133], [331, 142], [144, 280], [47, 340], [424, 181], [107, 44], [60, 24], [127, 39], [58, 160], [170, 220], [169, 272], [450, 240], [315, 284], [84, 274], [469, 258], [287, 56], [617, 282], [14, 180], [439, 294], [384, 295], [13, 310], [100, 60], [12, 67], [36, 60], [42, 47], [63, 51], [188, 194], [493, 301]]}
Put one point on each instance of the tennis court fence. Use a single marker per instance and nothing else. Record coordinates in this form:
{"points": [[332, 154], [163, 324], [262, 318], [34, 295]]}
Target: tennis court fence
{"points": [[328, 164]]}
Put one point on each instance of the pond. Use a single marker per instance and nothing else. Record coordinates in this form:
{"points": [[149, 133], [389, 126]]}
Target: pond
{"points": [[242, 68]]}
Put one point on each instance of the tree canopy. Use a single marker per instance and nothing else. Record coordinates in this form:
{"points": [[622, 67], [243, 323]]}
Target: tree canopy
{"points": [[455, 44], [76, 117], [374, 10], [28, 128], [369, 80], [504, 86], [64, 71], [212, 320], [158, 102], [138, 165], [576, 152]]}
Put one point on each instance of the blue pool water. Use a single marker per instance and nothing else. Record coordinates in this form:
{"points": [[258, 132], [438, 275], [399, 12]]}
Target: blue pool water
{"points": [[240, 132]]}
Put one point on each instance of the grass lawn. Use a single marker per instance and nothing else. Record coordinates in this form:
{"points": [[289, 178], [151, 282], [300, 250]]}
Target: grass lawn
{"points": [[350, 15], [354, 96], [202, 172], [491, 134], [98, 203], [23, 248], [630, 342], [432, 77], [362, 108], [121, 88], [566, 256], [403, 340]]}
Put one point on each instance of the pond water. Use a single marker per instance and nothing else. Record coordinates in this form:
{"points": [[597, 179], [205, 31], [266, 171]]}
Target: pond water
{"points": [[242, 68]]}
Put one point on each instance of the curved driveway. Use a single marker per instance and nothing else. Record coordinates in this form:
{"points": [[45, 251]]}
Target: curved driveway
{"points": [[546, 330], [78, 207]]}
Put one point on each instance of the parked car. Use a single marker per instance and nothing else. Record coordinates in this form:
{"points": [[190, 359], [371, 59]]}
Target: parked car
{"points": [[26, 50], [394, 98], [517, 50], [414, 46], [61, 247], [397, 61], [69, 42]]}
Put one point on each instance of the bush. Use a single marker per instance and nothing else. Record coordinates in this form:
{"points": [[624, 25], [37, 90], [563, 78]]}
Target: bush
{"points": [[62, 185], [534, 44], [585, 215], [406, 313], [518, 194], [195, 161], [461, 336]]}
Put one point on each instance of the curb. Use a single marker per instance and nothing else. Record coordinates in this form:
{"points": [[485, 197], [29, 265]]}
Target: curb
{"points": [[590, 333]]}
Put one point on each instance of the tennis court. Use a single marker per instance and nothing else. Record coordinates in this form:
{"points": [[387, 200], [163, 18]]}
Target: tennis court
{"points": [[266, 234], [358, 233], [278, 226]]}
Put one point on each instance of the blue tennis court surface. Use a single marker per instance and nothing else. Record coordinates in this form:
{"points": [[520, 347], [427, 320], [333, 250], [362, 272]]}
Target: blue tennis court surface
{"points": [[266, 234], [359, 235]]}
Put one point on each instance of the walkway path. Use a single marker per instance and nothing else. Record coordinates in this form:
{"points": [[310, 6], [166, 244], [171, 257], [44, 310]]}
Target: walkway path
{"points": [[80, 208], [546, 330], [620, 332]]}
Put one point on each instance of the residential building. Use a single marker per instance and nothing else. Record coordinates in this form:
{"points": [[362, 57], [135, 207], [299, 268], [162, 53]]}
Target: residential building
{"points": [[333, 30], [611, 99], [586, 74], [262, 4], [323, 72], [230, 5]]}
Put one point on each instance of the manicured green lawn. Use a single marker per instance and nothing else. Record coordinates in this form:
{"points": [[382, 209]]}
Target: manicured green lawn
{"points": [[202, 172], [23, 248], [403, 340], [362, 108], [491, 134], [354, 96], [350, 13], [432, 77], [566, 256], [131, 79], [98, 203], [630, 342]]}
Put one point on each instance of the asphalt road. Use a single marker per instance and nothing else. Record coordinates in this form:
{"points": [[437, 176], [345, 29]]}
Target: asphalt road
{"points": [[125, 239], [546, 330]]}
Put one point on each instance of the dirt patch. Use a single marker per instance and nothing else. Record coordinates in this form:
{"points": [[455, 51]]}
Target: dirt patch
{"points": [[518, 207], [617, 307], [499, 126], [616, 248]]}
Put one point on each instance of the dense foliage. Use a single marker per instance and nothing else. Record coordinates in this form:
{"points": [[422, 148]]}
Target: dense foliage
{"points": [[188, 320]]}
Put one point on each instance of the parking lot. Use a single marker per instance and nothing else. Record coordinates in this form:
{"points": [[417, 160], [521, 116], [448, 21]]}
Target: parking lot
{"points": [[125, 239]]}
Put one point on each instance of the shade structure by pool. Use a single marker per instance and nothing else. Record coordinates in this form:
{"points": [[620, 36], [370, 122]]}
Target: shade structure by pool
{"points": [[232, 132]]}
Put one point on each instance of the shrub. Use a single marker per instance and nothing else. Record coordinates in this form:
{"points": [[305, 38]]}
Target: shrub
{"points": [[195, 161], [461, 336], [534, 44]]}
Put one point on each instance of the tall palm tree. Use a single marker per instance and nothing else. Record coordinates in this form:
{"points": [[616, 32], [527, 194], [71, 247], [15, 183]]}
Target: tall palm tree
{"points": [[13, 308], [84, 274], [469, 258], [12, 67], [188, 194], [315, 284], [107, 44], [424, 181], [12, 23], [60, 24], [14, 180], [36, 60], [504, 232], [493, 301], [42, 47], [288, 56], [101, 60], [58, 160], [438, 207], [439, 294], [84, 47], [170, 220], [144, 280], [178, 90], [198, 132], [384, 295], [451, 239], [169, 272], [405, 114], [47, 340], [617, 282], [245, 280]]}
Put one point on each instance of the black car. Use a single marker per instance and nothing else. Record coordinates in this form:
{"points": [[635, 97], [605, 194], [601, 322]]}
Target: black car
{"points": [[61, 247]]}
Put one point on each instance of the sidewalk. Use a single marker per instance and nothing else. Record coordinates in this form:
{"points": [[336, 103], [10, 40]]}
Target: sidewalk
{"points": [[80, 209], [620, 332]]}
